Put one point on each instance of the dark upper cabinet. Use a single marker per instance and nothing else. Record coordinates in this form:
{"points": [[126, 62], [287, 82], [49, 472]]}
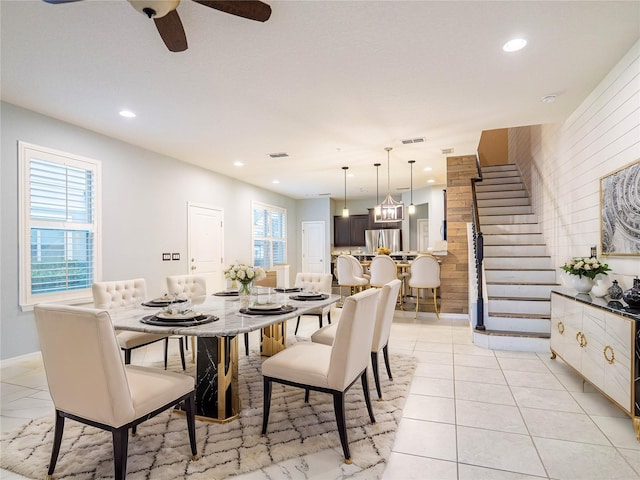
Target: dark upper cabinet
{"points": [[349, 232]]}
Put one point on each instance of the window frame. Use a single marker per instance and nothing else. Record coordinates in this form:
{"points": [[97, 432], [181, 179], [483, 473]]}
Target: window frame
{"points": [[27, 151], [269, 238]]}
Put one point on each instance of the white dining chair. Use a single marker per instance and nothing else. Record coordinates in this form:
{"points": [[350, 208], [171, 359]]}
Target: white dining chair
{"points": [[89, 383], [381, 333], [116, 294], [351, 273], [332, 368], [315, 282], [425, 273], [192, 287]]}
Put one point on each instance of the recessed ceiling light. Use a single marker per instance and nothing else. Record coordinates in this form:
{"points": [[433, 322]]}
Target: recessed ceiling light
{"points": [[514, 45], [238, 164], [427, 169], [431, 181], [275, 181], [127, 114], [549, 98]]}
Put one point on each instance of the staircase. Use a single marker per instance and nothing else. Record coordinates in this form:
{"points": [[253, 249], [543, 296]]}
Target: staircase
{"points": [[518, 272]]}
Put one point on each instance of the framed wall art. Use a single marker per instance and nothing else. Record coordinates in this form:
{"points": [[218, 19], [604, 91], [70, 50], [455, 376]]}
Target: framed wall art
{"points": [[620, 211]]}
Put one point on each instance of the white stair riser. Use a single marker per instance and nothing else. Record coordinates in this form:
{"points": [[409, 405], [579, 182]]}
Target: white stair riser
{"points": [[500, 174], [519, 291], [505, 167], [498, 181], [507, 219], [515, 250], [501, 202], [509, 210], [520, 344], [498, 194], [513, 239], [519, 306], [514, 324], [519, 276], [515, 228], [515, 263]]}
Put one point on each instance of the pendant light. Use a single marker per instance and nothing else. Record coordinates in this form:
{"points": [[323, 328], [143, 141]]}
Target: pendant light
{"points": [[377, 210], [412, 207], [345, 210], [390, 210]]}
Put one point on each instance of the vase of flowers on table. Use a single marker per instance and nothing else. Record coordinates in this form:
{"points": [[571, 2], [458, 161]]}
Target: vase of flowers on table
{"points": [[245, 275], [583, 271]]}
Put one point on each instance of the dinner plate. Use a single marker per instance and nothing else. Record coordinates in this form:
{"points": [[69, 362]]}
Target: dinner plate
{"points": [[177, 316], [307, 298], [199, 320], [279, 311], [309, 294], [161, 302], [287, 290], [266, 306], [227, 293]]}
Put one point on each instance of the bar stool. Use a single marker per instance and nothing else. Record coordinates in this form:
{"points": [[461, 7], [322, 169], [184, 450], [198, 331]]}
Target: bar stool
{"points": [[350, 274], [425, 273]]}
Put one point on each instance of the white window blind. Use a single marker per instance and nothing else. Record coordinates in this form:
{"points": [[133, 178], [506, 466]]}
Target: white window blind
{"points": [[59, 244], [269, 232]]}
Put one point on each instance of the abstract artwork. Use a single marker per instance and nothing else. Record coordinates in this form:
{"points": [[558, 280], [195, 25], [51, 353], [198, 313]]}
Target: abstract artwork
{"points": [[620, 211]]}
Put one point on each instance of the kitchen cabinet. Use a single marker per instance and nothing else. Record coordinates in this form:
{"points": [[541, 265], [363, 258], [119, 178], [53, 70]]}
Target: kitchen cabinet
{"points": [[599, 345], [348, 232]]}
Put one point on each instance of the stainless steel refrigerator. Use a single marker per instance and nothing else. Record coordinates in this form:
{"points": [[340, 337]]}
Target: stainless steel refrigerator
{"points": [[390, 238]]}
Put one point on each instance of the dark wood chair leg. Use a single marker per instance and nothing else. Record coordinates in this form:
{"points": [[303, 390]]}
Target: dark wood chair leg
{"points": [[120, 446], [57, 441], [266, 403], [190, 410], [186, 342], [184, 366], [329, 317], [385, 352], [306, 395], [376, 375], [246, 344], [297, 325], [320, 321], [166, 351], [367, 398], [127, 356], [338, 407]]}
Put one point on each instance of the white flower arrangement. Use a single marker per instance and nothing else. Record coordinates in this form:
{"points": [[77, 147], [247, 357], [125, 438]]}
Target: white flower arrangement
{"points": [[244, 273], [588, 267]]}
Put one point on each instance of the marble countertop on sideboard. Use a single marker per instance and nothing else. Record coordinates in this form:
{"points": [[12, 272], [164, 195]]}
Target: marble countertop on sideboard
{"points": [[618, 307]]}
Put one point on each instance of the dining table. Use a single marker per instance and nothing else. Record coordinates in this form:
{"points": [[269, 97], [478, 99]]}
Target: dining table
{"points": [[221, 319]]}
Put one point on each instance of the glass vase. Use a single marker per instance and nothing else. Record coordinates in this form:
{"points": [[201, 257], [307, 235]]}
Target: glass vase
{"points": [[244, 294]]}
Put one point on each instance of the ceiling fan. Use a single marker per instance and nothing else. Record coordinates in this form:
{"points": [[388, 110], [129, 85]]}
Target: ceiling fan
{"points": [[169, 25]]}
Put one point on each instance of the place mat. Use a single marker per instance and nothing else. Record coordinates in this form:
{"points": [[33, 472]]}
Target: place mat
{"points": [[288, 290], [161, 302], [279, 311], [192, 322], [227, 293], [309, 298]]}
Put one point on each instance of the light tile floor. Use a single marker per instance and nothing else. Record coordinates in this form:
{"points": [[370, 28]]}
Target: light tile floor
{"points": [[471, 414]]}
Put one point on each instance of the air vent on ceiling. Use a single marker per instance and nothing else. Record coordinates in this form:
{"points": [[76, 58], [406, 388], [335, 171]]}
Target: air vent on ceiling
{"points": [[413, 140], [447, 151], [278, 155]]}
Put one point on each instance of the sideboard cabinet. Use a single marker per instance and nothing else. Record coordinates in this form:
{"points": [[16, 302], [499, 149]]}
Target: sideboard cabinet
{"points": [[601, 346]]}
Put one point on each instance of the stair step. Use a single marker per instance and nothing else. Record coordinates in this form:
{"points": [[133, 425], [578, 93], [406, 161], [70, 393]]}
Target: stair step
{"points": [[511, 342], [505, 210], [517, 263], [499, 181], [505, 167], [518, 322], [496, 194], [520, 250], [514, 333], [511, 229], [520, 306], [503, 202], [529, 290], [520, 275], [513, 239], [507, 219], [500, 174], [537, 316]]}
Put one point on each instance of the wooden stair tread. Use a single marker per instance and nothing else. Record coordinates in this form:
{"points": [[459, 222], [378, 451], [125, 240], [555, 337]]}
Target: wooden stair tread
{"points": [[552, 284], [508, 333], [536, 316], [520, 299], [520, 269]]}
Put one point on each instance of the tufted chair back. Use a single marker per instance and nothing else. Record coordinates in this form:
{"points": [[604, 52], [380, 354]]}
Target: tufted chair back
{"points": [[383, 269], [316, 282], [118, 293], [192, 286]]}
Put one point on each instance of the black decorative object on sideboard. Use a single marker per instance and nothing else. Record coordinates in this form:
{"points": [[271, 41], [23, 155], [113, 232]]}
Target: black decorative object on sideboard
{"points": [[615, 292], [632, 296]]}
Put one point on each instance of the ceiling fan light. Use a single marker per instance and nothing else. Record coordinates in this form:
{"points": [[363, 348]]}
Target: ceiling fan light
{"points": [[160, 7]]}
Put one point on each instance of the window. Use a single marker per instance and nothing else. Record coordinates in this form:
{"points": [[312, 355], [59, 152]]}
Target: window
{"points": [[269, 233], [59, 226]]}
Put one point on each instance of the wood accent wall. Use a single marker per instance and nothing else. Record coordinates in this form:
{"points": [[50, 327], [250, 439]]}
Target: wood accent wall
{"points": [[454, 296]]}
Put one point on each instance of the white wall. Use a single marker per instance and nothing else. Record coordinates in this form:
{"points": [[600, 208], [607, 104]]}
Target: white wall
{"points": [[144, 212], [562, 165]]}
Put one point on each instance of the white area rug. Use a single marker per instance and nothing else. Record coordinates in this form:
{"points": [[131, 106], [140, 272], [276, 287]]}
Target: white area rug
{"points": [[161, 449]]}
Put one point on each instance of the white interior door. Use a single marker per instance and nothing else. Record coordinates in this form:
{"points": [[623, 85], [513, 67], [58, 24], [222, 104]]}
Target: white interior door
{"points": [[313, 247], [423, 234], [206, 234]]}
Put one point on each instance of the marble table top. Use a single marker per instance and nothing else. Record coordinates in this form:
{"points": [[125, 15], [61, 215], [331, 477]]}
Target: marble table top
{"points": [[230, 321]]}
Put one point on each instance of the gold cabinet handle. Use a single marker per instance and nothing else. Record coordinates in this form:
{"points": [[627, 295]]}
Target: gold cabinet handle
{"points": [[583, 343], [578, 338], [561, 328], [613, 355]]}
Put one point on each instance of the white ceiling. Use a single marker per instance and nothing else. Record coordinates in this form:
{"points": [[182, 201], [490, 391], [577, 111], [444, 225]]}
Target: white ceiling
{"points": [[330, 83]]}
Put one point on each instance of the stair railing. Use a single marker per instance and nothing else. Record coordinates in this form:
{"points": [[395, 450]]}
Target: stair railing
{"points": [[478, 248]]}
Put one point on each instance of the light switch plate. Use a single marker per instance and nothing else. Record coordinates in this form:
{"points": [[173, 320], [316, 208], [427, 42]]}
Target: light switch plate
{"points": [[175, 256], [166, 257]]}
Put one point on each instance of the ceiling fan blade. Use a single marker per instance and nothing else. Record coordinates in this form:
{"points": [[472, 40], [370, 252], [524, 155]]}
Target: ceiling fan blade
{"points": [[251, 9], [171, 30]]}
